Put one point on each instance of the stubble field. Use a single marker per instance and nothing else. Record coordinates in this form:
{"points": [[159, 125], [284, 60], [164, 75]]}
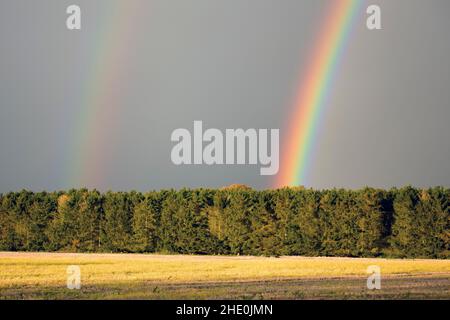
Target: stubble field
{"points": [[138, 276]]}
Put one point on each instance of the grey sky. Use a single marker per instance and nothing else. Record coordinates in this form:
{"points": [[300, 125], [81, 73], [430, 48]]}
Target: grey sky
{"points": [[231, 64]]}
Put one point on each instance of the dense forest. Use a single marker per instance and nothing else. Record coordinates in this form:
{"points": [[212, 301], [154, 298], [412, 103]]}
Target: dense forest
{"points": [[407, 222]]}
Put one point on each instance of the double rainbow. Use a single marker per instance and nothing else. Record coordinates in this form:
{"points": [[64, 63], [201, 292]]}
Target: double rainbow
{"points": [[98, 111], [311, 101]]}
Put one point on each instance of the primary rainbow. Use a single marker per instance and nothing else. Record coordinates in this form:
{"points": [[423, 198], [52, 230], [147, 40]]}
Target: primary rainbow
{"points": [[311, 99]]}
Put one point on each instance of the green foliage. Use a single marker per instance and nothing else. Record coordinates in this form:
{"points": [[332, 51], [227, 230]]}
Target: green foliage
{"points": [[117, 225], [421, 223], [144, 226], [75, 226], [184, 226], [405, 222]]}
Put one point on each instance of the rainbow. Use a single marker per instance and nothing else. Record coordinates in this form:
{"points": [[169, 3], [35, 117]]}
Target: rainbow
{"points": [[312, 95], [98, 111]]}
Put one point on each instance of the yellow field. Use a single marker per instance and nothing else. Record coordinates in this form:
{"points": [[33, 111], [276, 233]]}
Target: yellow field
{"points": [[43, 275]]}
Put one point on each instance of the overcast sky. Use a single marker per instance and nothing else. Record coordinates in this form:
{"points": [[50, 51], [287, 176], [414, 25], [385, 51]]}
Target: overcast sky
{"points": [[231, 64]]}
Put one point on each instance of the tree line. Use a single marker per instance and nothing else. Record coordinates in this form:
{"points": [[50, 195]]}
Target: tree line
{"points": [[407, 222]]}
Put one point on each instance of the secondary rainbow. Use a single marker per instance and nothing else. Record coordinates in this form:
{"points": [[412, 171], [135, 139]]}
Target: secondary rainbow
{"points": [[99, 108], [312, 96]]}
